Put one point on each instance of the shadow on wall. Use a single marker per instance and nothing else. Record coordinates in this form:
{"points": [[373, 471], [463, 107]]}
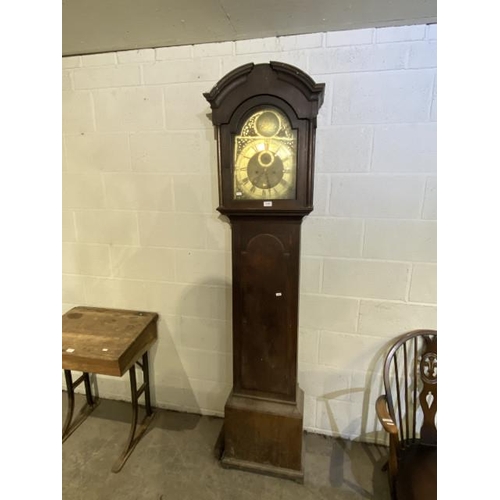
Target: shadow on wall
{"points": [[194, 366], [180, 367], [359, 469], [343, 453], [172, 383], [191, 362], [170, 387], [372, 388]]}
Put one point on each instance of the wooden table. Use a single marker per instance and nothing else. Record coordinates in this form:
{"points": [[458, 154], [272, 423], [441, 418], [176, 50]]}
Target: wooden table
{"points": [[107, 342]]}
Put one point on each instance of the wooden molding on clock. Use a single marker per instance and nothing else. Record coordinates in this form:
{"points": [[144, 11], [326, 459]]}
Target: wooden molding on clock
{"points": [[250, 87], [296, 79]]}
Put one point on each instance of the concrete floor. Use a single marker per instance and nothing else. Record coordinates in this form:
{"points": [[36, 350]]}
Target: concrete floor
{"points": [[175, 460]]}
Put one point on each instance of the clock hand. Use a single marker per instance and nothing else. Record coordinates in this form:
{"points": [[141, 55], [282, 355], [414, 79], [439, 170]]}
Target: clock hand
{"points": [[259, 176]]}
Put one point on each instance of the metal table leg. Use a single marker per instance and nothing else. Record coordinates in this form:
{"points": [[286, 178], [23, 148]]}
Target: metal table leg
{"points": [[85, 411], [136, 393]]}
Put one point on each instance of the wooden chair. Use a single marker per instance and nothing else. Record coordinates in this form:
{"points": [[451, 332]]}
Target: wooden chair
{"points": [[407, 411]]}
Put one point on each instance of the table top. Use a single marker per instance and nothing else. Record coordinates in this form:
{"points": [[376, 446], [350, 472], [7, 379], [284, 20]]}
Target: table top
{"points": [[105, 341]]}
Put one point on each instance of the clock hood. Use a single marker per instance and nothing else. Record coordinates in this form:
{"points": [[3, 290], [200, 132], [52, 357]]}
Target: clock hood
{"points": [[277, 79]]}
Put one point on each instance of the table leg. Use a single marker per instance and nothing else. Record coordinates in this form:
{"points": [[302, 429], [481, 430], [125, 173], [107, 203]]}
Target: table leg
{"points": [[136, 393], [88, 389], [86, 410], [71, 403], [145, 371]]}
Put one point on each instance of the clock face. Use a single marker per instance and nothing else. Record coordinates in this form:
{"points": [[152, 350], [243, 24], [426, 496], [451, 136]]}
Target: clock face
{"points": [[265, 164]]}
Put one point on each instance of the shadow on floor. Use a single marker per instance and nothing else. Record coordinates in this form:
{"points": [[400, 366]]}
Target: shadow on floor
{"points": [[175, 460]]}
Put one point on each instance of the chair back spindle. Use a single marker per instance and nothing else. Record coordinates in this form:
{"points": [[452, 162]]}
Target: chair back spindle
{"points": [[410, 380]]}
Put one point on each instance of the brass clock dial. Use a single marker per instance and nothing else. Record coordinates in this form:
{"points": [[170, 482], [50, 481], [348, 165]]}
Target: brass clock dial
{"points": [[265, 158]]}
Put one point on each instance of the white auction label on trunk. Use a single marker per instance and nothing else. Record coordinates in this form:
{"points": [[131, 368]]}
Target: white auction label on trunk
{"points": [[268, 203]]}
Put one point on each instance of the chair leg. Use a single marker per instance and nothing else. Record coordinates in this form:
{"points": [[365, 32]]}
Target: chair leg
{"points": [[392, 489], [392, 485]]}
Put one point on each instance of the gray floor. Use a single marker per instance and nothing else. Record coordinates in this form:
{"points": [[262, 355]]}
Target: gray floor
{"points": [[175, 460]]}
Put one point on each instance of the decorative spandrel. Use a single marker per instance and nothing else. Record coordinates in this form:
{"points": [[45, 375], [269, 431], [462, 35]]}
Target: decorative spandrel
{"points": [[265, 158]]}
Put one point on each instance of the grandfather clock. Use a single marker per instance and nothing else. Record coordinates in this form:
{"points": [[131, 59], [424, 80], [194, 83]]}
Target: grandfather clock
{"points": [[265, 117]]}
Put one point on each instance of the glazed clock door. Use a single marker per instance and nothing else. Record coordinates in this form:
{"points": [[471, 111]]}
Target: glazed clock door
{"points": [[265, 157]]}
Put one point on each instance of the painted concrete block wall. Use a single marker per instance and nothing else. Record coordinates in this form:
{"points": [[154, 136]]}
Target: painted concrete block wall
{"points": [[141, 231]]}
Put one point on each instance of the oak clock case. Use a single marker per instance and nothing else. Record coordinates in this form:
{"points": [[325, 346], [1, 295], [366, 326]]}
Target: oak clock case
{"points": [[265, 119]]}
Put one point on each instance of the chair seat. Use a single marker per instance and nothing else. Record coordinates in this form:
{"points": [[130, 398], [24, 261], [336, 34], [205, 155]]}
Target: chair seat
{"points": [[417, 477]]}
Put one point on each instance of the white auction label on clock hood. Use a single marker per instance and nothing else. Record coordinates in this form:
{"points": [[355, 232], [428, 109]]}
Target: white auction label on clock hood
{"points": [[268, 203]]}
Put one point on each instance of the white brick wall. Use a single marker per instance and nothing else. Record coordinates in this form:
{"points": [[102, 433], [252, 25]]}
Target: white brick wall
{"points": [[382, 96], [97, 152], [140, 229], [344, 149], [128, 109]]}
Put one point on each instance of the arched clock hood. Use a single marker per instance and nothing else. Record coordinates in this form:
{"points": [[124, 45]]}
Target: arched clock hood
{"points": [[291, 93]]}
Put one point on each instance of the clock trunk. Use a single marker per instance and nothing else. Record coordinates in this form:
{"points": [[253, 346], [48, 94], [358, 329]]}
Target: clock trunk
{"points": [[264, 413], [266, 260]]}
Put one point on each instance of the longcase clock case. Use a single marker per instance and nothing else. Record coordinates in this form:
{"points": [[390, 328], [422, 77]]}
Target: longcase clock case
{"points": [[265, 118]]}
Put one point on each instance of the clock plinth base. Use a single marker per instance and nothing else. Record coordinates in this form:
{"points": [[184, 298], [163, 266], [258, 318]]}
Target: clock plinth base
{"points": [[264, 436], [267, 470]]}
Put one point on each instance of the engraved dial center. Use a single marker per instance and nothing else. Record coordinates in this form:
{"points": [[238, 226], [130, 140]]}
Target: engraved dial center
{"points": [[265, 170], [265, 158]]}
